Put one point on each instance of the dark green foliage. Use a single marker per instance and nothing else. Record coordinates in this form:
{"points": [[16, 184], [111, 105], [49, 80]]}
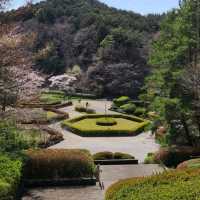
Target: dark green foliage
{"points": [[128, 108], [121, 101], [140, 111], [12, 140], [172, 89]]}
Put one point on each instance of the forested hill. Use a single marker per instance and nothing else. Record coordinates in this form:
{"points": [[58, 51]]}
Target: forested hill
{"points": [[108, 47]]}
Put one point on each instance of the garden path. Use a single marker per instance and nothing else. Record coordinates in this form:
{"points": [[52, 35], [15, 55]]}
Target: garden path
{"points": [[138, 145], [110, 174]]}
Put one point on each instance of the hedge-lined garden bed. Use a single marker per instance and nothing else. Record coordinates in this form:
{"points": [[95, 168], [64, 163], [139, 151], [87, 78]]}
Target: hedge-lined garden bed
{"points": [[86, 126], [172, 185]]}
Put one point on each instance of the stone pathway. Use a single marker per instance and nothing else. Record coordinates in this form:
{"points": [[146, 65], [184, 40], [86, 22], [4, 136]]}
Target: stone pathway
{"points": [[138, 146], [110, 174]]}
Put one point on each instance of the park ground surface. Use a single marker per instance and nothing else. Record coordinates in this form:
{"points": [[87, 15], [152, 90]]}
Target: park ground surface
{"points": [[138, 146], [110, 174]]}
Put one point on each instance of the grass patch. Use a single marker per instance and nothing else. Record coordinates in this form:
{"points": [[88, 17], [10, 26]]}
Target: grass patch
{"points": [[173, 185], [86, 125]]}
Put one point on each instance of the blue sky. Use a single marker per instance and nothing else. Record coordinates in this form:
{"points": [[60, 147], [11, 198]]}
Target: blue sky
{"points": [[140, 6]]}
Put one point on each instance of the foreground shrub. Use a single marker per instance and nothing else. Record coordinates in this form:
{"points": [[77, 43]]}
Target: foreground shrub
{"points": [[172, 156], [106, 155], [90, 111], [121, 101], [128, 108], [171, 185], [149, 159], [10, 175], [58, 163]]}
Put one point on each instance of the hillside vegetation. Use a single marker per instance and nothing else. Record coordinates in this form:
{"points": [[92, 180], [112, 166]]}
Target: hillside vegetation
{"points": [[108, 47]]}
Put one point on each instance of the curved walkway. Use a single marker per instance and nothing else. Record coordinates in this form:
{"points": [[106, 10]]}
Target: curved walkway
{"points": [[138, 146], [110, 174]]}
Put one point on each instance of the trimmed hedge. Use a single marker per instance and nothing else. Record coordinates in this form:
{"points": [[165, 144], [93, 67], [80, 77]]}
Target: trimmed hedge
{"points": [[171, 185], [128, 108], [58, 164], [93, 130], [121, 100], [106, 155], [10, 175]]}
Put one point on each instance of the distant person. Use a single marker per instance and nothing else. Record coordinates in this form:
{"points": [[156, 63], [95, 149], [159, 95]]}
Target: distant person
{"points": [[98, 177]]}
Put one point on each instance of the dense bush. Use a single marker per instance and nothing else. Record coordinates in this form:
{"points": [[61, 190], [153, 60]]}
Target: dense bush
{"points": [[149, 159], [13, 139], [90, 111], [172, 156], [109, 156], [52, 164], [128, 108], [121, 101], [10, 175], [171, 185], [140, 111], [106, 155]]}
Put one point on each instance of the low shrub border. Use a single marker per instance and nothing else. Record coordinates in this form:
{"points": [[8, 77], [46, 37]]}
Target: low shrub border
{"points": [[105, 133], [175, 184]]}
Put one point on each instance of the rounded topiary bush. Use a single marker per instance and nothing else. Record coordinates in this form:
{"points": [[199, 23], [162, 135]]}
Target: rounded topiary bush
{"points": [[140, 111], [106, 121], [170, 185], [121, 100], [80, 108], [106, 155], [128, 108], [119, 155], [58, 163]]}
